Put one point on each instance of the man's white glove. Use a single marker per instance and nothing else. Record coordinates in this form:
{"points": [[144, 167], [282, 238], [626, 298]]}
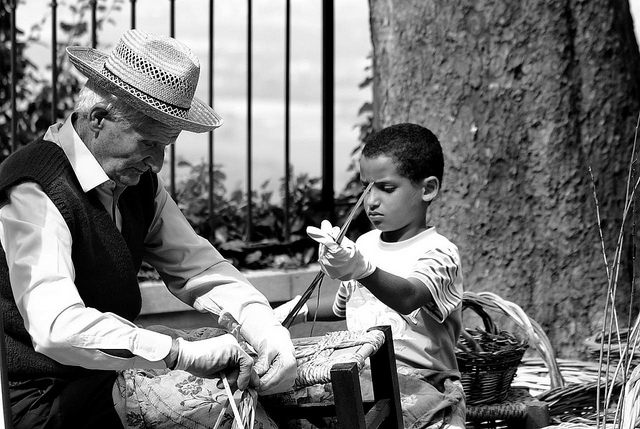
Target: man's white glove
{"points": [[208, 358], [339, 261], [283, 310], [276, 362]]}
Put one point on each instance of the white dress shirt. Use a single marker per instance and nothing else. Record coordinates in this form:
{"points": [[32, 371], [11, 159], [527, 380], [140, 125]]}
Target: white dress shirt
{"points": [[37, 243]]}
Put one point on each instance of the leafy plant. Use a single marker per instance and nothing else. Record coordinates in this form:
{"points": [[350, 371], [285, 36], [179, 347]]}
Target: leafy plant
{"points": [[226, 225]]}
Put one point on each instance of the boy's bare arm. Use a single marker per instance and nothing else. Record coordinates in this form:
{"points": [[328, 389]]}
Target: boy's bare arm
{"points": [[344, 261], [402, 295]]}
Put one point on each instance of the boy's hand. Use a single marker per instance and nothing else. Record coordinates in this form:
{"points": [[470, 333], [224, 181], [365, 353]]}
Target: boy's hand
{"points": [[339, 261], [283, 310]]}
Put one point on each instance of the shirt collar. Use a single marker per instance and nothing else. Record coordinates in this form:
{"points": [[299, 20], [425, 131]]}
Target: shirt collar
{"points": [[87, 169]]}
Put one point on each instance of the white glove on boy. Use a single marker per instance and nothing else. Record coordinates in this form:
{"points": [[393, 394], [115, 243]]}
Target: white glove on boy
{"points": [[339, 261]]}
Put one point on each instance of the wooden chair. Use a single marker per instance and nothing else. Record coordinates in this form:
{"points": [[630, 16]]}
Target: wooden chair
{"points": [[348, 407]]}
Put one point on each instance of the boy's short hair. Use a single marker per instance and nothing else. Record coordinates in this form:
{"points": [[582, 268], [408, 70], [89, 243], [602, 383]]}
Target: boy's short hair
{"points": [[414, 149]]}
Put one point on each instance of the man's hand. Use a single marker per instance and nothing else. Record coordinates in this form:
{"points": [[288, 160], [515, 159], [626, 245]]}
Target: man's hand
{"points": [[283, 310], [276, 362], [208, 358], [339, 261]]}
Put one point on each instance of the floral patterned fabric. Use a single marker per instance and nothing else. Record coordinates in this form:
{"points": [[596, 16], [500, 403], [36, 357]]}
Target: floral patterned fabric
{"points": [[176, 399], [166, 399]]}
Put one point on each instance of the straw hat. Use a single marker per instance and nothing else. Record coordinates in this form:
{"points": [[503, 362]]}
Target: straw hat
{"points": [[155, 74]]}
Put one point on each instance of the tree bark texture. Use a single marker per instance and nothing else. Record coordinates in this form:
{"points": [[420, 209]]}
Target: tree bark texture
{"points": [[525, 96]]}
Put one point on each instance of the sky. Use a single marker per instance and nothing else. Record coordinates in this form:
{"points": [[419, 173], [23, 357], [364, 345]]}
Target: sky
{"points": [[353, 47]]}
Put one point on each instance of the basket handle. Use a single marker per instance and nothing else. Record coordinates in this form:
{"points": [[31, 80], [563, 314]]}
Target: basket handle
{"points": [[537, 337], [489, 326]]}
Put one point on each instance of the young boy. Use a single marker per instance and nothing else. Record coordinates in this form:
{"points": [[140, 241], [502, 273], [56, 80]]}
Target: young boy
{"points": [[402, 273]]}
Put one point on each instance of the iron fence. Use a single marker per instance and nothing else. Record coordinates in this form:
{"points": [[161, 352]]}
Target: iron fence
{"points": [[327, 96]]}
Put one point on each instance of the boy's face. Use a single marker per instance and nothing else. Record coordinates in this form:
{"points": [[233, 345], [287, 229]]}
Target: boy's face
{"points": [[395, 205]]}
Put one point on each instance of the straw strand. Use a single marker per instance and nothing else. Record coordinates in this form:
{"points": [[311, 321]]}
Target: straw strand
{"points": [[320, 276]]}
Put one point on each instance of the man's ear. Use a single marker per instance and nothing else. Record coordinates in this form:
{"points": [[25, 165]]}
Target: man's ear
{"points": [[97, 114], [430, 188]]}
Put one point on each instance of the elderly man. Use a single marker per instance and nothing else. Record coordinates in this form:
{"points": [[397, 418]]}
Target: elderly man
{"points": [[80, 210]]}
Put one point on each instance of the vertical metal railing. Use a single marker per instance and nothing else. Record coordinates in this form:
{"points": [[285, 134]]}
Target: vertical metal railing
{"points": [[133, 13], [172, 148], [94, 23], [249, 233], [287, 117], [210, 153], [327, 138], [54, 60], [328, 98], [14, 143]]}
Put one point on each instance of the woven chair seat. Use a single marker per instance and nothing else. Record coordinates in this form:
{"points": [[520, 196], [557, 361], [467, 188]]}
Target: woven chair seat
{"points": [[317, 355]]}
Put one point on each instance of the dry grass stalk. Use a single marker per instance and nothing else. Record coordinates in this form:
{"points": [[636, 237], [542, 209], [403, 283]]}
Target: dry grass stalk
{"points": [[611, 329], [244, 412]]}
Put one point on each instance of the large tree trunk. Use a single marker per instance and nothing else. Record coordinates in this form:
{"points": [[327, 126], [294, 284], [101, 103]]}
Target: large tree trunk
{"points": [[525, 96]]}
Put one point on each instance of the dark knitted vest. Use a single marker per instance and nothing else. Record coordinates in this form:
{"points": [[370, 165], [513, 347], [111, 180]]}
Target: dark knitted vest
{"points": [[106, 261]]}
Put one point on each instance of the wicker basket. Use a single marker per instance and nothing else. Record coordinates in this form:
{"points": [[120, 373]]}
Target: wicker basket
{"points": [[487, 358], [624, 416], [614, 346]]}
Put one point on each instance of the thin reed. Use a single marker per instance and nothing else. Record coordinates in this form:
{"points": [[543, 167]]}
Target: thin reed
{"points": [[610, 400], [612, 356], [244, 413]]}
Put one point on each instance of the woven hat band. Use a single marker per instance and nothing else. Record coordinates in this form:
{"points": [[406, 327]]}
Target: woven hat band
{"points": [[161, 68], [161, 105]]}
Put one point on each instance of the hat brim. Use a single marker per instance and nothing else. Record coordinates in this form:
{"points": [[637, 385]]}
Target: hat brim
{"points": [[90, 62]]}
